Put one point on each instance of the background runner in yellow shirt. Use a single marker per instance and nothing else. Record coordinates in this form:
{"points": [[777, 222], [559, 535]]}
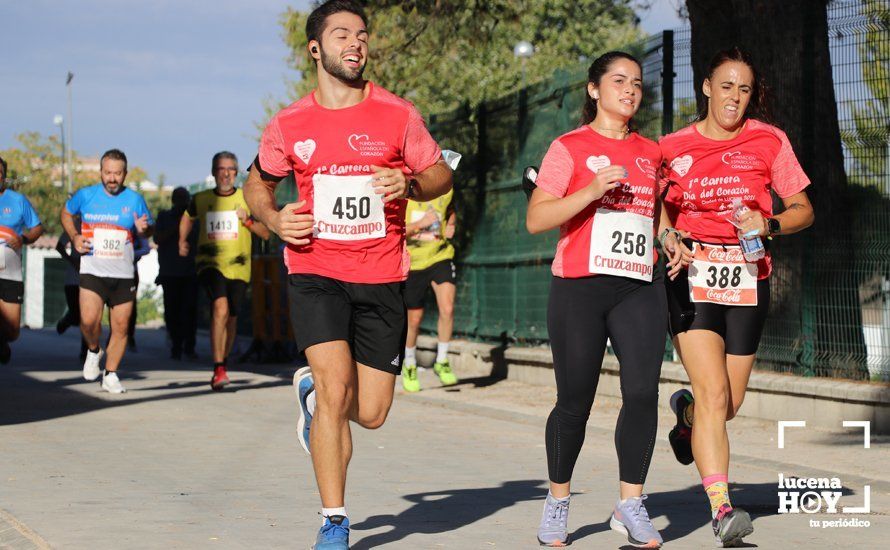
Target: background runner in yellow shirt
{"points": [[223, 256], [429, 228]]}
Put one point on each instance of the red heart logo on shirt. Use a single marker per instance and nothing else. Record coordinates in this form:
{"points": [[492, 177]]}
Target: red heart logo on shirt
{"points": [[644, 164], [355, 138], [595, 163], [681, 165], [304, 149]]}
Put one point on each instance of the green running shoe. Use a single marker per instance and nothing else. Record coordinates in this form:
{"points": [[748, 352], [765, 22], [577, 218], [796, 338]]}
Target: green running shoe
{"points": [[447, 377], [409, 378]]}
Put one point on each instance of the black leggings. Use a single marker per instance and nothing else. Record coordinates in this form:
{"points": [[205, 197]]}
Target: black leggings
{"points": [[581, 315]]}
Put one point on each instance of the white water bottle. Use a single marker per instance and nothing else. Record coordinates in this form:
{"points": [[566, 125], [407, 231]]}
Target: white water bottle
{"points": [[752, 247]]}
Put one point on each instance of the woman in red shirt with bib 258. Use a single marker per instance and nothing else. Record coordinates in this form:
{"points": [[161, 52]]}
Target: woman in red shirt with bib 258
{"points": [[719, 174]]}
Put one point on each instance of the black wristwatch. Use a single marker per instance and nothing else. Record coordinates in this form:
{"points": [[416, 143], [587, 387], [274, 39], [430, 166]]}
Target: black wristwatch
{"points": [[412, 189], [774, 226]]}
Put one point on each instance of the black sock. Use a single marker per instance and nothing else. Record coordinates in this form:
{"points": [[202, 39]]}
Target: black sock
{"points": [[96, 350], [219, 364]]}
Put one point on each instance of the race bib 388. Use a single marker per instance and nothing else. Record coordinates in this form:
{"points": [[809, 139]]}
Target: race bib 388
{"points": [[720, 275]]}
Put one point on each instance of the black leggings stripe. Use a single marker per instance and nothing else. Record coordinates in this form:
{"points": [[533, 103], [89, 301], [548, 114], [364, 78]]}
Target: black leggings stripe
{"points": [[582, 315]]}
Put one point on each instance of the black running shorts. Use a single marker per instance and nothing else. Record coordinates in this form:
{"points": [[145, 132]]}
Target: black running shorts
{"points": [[113, 292], [739, 326], [371, 318], [12, 292], [420, 281], [218, 286]]}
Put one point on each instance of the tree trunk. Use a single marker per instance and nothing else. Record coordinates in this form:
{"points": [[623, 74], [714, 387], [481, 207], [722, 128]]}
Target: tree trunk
{"points": [[788, 41]]}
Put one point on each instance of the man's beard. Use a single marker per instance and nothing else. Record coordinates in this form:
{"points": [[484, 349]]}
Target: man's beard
{"points": [[117, 190], [337, 70]]}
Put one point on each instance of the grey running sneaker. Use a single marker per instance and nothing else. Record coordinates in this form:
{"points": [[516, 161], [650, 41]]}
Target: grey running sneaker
{"points": [[553, 530], [631, 519], [730, 526]]}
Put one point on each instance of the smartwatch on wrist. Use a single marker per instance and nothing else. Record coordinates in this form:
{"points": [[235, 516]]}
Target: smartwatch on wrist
{"points": [[774, 226], [412, 188]]}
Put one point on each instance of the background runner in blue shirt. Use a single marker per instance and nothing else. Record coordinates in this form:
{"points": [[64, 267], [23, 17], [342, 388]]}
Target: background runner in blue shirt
{"points": [[112, 216], [19, 225]]}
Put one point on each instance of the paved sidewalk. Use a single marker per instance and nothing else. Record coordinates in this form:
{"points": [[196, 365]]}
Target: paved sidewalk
{"points": [[172, 465]]}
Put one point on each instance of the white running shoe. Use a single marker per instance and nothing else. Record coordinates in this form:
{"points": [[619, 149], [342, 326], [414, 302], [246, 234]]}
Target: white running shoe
{"points": [[91, 369], [111, 383]]}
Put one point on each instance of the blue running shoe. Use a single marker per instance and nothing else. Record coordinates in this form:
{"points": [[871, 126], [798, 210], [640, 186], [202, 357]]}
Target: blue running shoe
{"points": [[631, 519], [554, 528], [303, 387], [334, 534]]}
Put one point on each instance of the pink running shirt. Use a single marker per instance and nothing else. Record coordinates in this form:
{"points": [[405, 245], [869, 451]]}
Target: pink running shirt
{"points": [[311, 140], [704, 175], [570, 165]]}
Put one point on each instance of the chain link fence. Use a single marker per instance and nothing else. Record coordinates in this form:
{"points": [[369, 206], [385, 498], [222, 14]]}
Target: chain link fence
{"points": [[824, 320]]}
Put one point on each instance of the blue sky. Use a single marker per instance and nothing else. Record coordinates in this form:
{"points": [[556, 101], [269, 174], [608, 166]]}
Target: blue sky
{"points": [[168, 81]]}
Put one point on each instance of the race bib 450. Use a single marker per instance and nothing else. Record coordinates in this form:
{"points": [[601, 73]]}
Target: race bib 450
{"points": [[347, 208]]}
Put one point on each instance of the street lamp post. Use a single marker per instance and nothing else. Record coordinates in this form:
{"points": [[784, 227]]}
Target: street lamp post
{"points": [[59, 121], [524, 50], [70, 144]]}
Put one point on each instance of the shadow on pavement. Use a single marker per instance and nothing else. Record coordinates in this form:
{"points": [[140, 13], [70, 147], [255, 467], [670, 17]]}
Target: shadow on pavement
{"points": [[445, 511], [25, 398]]}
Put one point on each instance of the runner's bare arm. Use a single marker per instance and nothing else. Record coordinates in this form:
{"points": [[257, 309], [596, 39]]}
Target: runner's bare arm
{"points": [[451, 226], [678, 255], [185, 228], [259, 193], [259, 229], [546, 211], [416, 227], [31, 235], [798, 215], [433, 182], [143, 228], [392, 183], [77, 240]]}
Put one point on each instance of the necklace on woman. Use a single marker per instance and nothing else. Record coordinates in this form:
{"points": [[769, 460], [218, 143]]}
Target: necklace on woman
{"points": [[623, 131]]}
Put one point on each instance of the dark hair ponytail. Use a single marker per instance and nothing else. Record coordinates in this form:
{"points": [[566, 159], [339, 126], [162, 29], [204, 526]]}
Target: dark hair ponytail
{"points": [[759, 106], [595, 74]]}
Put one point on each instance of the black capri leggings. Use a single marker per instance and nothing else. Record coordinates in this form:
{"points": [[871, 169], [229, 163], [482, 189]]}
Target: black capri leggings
{"points": [[581, 315]]}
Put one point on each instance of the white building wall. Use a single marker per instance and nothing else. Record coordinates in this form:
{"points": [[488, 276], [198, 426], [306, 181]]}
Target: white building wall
{"points": [[33, 314]]}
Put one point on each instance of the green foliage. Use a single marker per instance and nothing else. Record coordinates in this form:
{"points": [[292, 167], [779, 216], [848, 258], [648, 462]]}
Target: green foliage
{"points": [[442, 54], [867, 135], [149, 305], [35, 171]]}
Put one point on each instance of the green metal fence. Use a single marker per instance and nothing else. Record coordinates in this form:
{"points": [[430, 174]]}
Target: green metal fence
{"points": [[825, 319]]}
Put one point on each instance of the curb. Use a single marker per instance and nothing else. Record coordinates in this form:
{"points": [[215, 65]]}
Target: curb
{"points": [[15, 535], [821, 402]]}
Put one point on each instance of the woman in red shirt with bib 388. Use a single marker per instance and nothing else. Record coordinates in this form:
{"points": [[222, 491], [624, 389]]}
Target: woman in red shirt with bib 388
{"points": [[719, 174]]}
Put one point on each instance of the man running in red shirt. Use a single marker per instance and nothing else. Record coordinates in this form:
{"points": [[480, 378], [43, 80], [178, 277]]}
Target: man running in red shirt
{"points": [[357, 153]]}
